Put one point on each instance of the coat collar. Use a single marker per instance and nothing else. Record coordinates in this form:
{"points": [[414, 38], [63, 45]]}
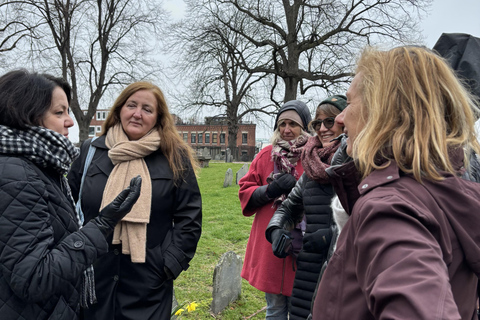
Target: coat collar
{"points": [[379, 178]]}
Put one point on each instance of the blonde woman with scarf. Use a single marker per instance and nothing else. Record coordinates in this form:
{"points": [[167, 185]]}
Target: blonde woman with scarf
{"points": [[153, 244], [272, 174]]}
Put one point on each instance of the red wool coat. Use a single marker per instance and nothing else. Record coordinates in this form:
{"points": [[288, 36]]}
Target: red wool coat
{"points": [[261, 268]]}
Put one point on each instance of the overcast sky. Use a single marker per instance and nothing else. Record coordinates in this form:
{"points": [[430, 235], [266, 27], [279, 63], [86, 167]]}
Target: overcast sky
{"points": [[446, 16], [449, 16]]}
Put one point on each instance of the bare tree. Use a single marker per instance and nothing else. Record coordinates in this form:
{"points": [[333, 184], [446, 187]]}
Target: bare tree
{"points": [[212, 55], [313, 43], [13, 30], [97, 45]]}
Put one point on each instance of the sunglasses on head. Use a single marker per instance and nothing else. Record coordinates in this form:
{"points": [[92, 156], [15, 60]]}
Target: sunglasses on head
{"points": [[327, 122]]}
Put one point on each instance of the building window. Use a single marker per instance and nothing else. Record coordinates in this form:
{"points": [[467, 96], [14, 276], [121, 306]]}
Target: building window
{"points": [[207, 137], [102, 115], [222, 138], [98, 128], [193, 138], [214, 138], [91, 131], [244, 138], [200, 138], [185, 136]]}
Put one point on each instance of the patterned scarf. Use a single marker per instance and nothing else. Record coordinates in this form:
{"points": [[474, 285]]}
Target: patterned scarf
{"points": [[285, 155], [316, 158], [44, 147], [49, 149]]}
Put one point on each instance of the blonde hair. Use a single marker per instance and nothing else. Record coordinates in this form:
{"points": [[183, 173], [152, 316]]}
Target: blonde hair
{"points": [[172, 145], [415, 110]]}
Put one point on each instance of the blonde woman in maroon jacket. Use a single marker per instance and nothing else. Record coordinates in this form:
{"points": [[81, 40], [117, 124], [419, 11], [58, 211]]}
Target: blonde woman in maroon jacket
{"points": [[411, 247]]}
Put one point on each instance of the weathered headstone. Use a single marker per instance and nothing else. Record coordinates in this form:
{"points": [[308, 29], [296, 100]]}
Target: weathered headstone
{"points": [[227, 283], [228, 178], [241, 172], [228, 155], [206, 153], [204, 157]]}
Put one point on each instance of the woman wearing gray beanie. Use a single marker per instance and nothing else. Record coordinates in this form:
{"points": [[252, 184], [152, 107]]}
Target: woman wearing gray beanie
{"points": [[272, 174]]}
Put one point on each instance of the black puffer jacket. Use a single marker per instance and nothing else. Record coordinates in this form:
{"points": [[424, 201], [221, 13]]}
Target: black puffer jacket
{"points": [[312, 199], [42, 253]]}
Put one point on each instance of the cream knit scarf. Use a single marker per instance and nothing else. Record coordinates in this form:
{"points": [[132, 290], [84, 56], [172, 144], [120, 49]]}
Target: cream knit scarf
{"points": [[127, 157]]}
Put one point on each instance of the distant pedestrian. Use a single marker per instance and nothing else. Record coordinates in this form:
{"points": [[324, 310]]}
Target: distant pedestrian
{"points": [[272, 174]]}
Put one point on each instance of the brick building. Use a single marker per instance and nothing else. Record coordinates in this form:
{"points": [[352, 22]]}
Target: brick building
{"points": [[97, 121], [212, 134]]}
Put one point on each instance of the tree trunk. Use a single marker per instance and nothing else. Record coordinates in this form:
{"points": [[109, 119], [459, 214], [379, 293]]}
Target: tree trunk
{"points": [[232, 139], [83, 129], [291, 86]]}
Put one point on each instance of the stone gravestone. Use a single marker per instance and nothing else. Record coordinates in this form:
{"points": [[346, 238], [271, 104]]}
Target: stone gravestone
{"points": [[242, 172], [228, 155], [227, 283], [228, 178]]}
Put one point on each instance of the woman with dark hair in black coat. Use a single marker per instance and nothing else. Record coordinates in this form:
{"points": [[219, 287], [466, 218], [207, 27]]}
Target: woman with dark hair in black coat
{"points": [[45, 260]]}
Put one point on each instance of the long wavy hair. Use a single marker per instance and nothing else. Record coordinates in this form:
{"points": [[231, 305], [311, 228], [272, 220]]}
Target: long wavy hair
{"points": [[172, 145], [415, 111]]}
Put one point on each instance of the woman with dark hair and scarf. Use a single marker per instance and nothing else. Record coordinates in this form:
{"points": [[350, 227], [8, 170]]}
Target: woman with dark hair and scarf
{"points": [[45, 258], [310, 200], [273, 173]]}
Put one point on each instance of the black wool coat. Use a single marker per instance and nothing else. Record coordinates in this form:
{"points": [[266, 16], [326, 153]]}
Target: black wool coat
{"points": [[42, 252], [313, 200], [127, 290]]}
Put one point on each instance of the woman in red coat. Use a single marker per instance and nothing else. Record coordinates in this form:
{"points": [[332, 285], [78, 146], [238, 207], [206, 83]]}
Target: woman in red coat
{"points": [[272, 175]]}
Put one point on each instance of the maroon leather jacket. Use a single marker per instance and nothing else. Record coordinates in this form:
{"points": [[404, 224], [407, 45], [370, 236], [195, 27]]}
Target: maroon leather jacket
{"points": [[408, 251]]}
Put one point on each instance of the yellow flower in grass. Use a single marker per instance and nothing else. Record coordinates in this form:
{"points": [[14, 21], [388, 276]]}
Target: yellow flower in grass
{"points": [[179, 312], [192, 306]]}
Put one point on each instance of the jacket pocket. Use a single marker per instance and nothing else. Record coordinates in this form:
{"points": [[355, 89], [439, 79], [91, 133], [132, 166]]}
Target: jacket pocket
{"points": [[155, 262]]}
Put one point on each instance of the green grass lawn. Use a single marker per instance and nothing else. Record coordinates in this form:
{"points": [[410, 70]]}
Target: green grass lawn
{"points": [[224, 229]]}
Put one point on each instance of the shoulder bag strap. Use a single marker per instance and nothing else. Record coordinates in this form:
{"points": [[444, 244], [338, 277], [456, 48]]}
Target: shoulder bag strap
{"points": [[88, 160]]}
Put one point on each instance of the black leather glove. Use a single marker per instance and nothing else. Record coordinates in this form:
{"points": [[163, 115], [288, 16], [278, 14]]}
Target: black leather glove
{"points": [[317, 241], [282, 184], [281, 240], [114, 212]]}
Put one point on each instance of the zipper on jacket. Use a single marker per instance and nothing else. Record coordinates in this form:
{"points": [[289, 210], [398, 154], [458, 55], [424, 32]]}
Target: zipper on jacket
{"points": [[283, 274]]}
